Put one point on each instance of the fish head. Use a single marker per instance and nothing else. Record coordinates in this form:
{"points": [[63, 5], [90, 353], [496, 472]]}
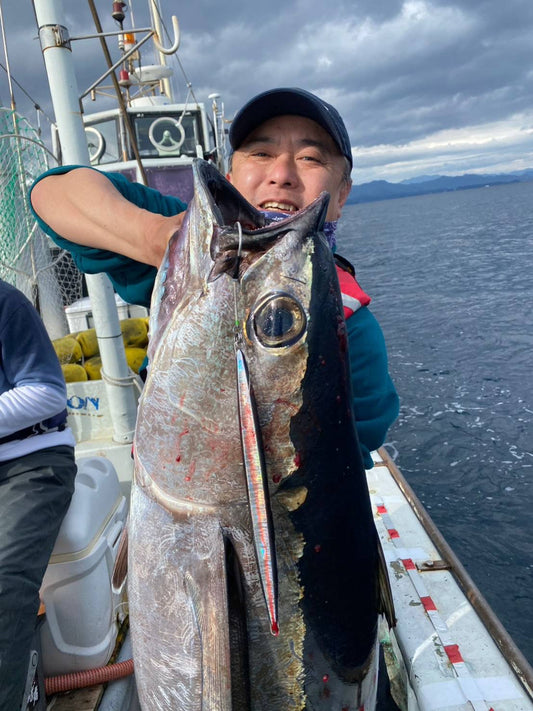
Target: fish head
{"points": [[230, 274], [224, 234]]}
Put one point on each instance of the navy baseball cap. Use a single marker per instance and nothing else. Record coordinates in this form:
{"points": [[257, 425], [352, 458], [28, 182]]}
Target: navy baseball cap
{"points": [[297, 102]]}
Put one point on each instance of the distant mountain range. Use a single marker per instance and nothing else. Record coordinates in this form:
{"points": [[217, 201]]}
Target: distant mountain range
{"points": [[426, 184]]}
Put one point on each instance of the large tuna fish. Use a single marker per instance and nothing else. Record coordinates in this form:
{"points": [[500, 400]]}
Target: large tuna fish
{"points": [[253, 553]]}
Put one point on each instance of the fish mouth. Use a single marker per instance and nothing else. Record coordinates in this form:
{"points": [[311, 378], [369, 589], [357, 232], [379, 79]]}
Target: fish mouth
{"points": [[241, 232]]}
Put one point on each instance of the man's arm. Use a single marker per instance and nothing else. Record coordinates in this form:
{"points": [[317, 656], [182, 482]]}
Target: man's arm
{"points": [[32, 384], [84, 206]]}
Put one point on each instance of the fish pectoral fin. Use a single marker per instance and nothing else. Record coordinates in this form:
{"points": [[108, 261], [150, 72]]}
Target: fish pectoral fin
{"points": [[209, 608], [120, 569], [385, 599]]}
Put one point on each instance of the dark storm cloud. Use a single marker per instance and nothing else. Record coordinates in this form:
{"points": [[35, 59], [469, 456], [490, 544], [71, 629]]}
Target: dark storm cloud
{"points": [[399, 72]]}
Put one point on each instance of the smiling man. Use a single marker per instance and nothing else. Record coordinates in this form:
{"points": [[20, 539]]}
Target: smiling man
{"points": [[286, 162], [288, 147], [283, 162]]}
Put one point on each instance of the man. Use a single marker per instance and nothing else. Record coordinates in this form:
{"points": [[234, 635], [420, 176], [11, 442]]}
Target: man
{"points": [[37, 471], [288, 146]]}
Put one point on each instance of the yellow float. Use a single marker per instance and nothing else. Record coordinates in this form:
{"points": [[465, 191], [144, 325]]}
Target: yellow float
{"points": [[79, 353]]}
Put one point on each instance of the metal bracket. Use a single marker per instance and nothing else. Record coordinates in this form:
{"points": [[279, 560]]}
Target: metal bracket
{"points": [[432, 565], [54, 36]]}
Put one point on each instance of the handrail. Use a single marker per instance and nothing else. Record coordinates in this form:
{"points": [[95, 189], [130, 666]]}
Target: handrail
{"points": [[177, 39], [497, 631]]}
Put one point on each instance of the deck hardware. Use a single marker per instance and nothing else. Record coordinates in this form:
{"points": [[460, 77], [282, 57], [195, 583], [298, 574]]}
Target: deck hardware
{"points": [[429, 565]]}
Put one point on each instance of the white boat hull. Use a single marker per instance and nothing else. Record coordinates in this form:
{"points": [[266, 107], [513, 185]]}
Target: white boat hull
{"points": [[441, 654]]}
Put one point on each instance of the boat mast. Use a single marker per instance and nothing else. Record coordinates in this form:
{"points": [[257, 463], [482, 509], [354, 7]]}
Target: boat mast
{"points": [[155, 15], [58, 60]]}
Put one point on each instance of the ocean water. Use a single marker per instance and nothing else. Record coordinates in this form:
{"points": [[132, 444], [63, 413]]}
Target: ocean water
{"points": [[451, 277]]}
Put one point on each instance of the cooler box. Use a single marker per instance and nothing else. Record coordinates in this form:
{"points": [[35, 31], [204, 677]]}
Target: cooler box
{"points": [[80, 315], [81, 610]]}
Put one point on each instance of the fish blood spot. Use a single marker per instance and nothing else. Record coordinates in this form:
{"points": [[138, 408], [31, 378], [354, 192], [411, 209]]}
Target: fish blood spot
{"points": [[178, 458], [276, 478], [325, 678], [297, 459], [274, 629], [318, 548], [187, 478]]}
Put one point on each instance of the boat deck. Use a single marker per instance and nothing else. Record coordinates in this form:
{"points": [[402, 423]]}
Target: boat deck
{"points": [[442, 654]]}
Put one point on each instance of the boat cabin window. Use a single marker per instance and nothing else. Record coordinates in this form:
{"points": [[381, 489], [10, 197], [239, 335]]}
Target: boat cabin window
{"points": [[102, 141], [168, 135], [159, 135]]}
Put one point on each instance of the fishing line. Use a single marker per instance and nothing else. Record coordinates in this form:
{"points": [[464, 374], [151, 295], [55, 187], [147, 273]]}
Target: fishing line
{"points": [[236, 272]]}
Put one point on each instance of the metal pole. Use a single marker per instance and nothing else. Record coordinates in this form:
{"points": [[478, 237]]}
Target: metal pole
{"points": [[57, 54], [44, 294], [120, 98], [155, 15]]}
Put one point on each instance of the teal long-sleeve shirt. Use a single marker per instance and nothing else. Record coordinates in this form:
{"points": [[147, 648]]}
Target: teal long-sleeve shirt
{"points": [[376, 403]]}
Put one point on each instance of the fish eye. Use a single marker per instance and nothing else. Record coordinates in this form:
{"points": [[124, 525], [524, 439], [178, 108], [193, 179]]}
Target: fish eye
{"points": [[279, 320]]}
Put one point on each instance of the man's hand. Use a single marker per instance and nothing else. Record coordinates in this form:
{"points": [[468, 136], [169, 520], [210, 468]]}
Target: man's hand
{"points": [[158, 234]]}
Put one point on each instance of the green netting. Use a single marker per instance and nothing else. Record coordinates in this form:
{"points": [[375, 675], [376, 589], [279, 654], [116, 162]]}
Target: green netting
{"points": [[28, 259]]}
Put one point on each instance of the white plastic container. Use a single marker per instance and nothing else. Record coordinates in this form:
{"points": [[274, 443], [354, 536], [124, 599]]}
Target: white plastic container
{"points": [[80, 315], [81, 610]]}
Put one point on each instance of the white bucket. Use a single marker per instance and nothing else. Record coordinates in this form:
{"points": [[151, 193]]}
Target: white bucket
{"points": [[80, 627]]}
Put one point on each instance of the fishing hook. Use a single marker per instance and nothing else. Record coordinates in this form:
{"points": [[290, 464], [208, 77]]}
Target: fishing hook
{"points": [[239, 251], [239, 229], [236, 271]]}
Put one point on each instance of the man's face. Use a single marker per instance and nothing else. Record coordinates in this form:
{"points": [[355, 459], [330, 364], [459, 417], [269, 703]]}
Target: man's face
{"points": [[286, 162]]}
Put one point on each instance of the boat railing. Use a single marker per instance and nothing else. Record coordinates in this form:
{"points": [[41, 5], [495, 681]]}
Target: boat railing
{"points": [[499, 634]]}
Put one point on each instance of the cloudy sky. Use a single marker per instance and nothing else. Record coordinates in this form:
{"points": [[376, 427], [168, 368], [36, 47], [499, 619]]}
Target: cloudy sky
{"points": [[425, 86]]}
